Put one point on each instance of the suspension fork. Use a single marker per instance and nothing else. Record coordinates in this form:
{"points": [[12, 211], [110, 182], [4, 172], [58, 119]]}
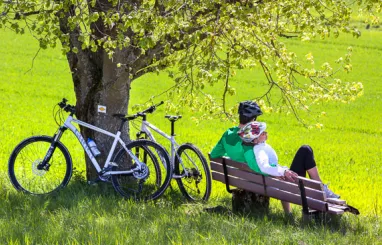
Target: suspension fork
{"points": [[56, 137], [139, 136]]}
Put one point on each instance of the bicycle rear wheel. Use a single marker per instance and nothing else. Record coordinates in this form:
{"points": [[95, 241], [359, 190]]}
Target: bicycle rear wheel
{"points": [[23, 162], [196, 185], [149, 183]]}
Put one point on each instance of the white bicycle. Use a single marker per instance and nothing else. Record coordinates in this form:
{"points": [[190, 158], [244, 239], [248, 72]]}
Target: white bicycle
{"points": [[189, 166], [42, 164]]}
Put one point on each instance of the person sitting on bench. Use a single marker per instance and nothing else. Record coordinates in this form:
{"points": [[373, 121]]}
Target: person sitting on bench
{"points": [[254, 134], [230, 144]]}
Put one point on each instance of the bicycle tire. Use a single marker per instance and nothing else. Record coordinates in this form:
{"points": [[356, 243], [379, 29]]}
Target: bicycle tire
{"points": [[25, 158], [146, 188], [195, 163]]}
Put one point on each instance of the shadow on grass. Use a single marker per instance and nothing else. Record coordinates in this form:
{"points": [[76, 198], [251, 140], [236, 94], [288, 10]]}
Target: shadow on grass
{"points": [[99, 197], [70, 196], [331, 222], [103, 198]]}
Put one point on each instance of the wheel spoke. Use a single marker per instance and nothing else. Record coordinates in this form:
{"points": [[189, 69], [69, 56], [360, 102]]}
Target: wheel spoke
{"points": [[26, 157], [196, 186]]}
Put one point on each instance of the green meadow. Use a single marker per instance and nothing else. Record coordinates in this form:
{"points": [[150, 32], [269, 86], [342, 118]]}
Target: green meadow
{"points": [[347, 149]]}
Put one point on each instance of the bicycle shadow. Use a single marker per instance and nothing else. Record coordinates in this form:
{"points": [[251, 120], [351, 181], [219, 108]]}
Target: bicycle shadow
{"points": [[100, 197], [69, 197]]}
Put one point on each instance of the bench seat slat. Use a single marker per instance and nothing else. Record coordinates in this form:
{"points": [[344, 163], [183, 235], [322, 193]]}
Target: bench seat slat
{"points": [[334, 210], [337, 206], [269, 181], [336, 201], [270, 191]]}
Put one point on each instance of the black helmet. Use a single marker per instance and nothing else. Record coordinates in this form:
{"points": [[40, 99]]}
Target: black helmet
{"points": [[249, 109]]}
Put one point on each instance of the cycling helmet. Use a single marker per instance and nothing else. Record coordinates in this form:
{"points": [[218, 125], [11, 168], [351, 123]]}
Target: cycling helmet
{"points": [[249, 109], [251, 131]]}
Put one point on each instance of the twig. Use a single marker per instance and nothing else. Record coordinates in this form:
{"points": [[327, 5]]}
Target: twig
{"points": [[33, 60], [226, 85]]}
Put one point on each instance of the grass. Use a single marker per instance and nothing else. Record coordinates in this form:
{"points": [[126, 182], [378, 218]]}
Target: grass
{"points": [[347, 152]]}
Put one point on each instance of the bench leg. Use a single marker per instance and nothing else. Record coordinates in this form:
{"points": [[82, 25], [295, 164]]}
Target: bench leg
{"points": [[322, 218], [311, 215], [249, 202]]}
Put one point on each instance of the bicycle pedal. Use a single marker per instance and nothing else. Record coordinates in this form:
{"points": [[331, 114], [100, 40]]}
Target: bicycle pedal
{"points": [[92, 182], [99, 179], [105, 179]]}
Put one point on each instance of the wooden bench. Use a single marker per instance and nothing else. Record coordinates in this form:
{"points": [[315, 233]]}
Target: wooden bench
{"points": [[305, 192]]}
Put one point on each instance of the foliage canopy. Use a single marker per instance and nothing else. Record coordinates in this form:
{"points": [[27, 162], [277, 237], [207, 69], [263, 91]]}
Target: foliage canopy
{"points": [[205, 40]]}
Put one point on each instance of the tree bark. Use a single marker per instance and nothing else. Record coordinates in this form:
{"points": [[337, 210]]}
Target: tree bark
{"points": [[246, 202], [98, 81]]}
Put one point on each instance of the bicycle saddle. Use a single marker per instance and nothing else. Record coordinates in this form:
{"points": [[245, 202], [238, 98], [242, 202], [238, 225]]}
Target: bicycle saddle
{"points": [[173, 118]]}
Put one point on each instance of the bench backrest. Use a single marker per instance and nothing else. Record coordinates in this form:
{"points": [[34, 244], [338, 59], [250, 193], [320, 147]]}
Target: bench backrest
{"points": [[240, 175]]}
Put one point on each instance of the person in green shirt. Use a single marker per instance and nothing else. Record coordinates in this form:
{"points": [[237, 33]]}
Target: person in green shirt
{"points": [[231, 145]]}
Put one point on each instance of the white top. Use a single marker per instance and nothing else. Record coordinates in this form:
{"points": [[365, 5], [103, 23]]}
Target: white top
{"points": [[267, 160]]}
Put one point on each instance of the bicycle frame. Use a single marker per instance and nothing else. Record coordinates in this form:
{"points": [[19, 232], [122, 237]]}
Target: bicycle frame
{"points": [[145, 127], [117, 139]]}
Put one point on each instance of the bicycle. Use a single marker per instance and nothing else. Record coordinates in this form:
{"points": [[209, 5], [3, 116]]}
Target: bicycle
{"points": [[42, 164], [190, 168]]}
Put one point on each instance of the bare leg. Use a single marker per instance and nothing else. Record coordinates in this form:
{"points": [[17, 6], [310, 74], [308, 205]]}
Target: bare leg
{"points": [[286, 207], [313, 174]]}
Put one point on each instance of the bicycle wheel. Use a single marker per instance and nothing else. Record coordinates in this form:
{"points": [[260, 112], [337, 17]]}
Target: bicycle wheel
{"points": [[152, 180], [23, 162], [196, 185]]}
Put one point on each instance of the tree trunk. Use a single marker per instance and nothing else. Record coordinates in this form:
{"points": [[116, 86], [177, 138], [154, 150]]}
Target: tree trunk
{"points": [[246, 202], [98, 81]]}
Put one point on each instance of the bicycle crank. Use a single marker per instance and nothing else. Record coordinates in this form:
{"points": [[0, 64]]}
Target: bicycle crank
{"points": [[142, 173]]}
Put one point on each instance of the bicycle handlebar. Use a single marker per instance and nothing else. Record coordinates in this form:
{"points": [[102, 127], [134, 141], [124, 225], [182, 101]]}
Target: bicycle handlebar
{"points": [[67, 107], [151, 109]]}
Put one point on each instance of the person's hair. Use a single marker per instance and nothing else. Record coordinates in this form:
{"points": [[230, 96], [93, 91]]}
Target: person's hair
{"points": [[244, 120]]}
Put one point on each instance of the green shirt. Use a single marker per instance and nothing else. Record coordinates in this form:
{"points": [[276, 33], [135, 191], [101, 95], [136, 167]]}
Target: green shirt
{"points": [[230, 145]]}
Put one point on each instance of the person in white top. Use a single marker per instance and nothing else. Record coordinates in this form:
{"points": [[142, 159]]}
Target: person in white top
{"points": [[267, 160]]}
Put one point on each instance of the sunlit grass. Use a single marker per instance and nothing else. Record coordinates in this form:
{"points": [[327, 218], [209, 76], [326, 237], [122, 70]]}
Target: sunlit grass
{"points": [[347, 149]]}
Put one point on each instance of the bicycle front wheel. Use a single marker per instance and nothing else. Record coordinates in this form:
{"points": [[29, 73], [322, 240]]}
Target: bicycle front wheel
{"points": [[196, 183], [151, 181], [24, 161]]}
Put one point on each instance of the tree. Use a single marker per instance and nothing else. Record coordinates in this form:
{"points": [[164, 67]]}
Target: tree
{"points": [[109, 43]]}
